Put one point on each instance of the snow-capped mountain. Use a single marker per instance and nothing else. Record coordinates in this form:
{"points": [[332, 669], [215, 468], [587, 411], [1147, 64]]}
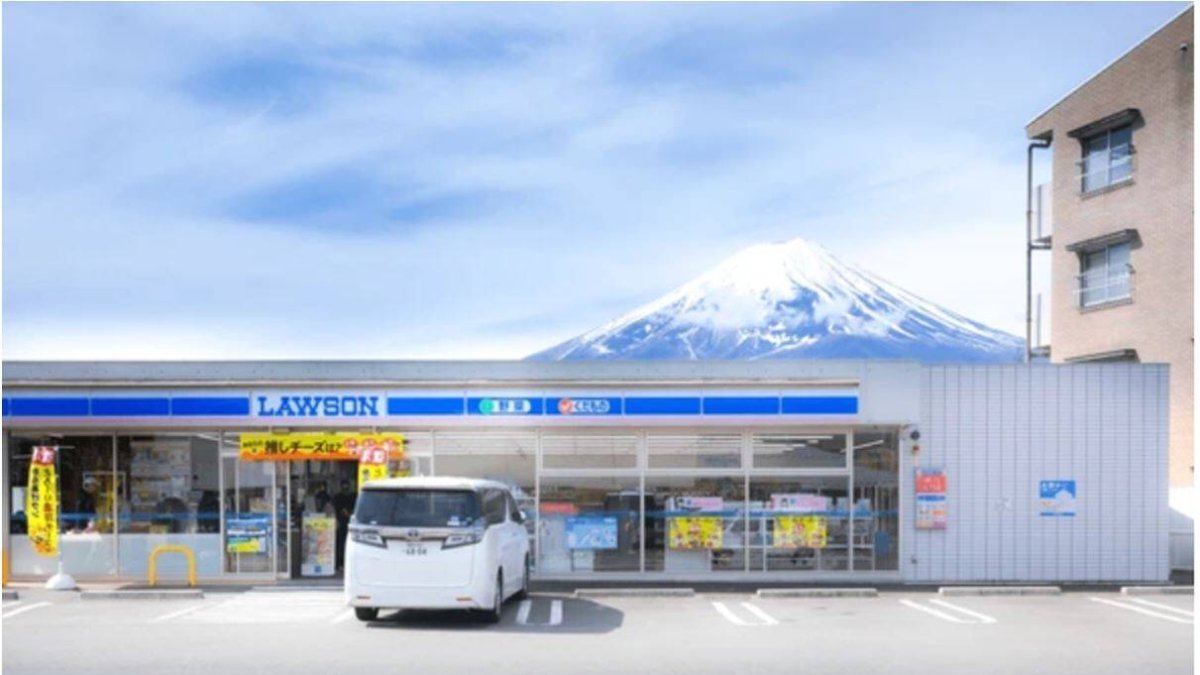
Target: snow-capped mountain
{"points": [[790, 300]]}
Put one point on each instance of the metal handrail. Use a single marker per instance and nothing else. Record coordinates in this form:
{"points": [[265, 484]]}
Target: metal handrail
{"points": [[1124, 280], [1106, 170]]}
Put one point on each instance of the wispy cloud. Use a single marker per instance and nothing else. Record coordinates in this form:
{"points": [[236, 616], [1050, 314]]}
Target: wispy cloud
{"points": [[433, 180]]}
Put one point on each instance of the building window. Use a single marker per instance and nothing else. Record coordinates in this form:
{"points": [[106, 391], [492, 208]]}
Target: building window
{"points": [[1107, 159], [1105, 275]]}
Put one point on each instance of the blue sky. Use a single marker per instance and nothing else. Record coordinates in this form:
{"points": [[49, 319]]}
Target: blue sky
{"points": [[483, 181]]}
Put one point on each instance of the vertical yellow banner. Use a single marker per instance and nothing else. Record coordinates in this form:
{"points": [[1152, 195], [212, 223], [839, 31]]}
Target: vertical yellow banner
{"points": [[372, 465], [41, 502]]}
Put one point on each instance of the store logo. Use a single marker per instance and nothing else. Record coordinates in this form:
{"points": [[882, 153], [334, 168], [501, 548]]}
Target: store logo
{"points": [[505, 406], [584, 406], [317, 406]]}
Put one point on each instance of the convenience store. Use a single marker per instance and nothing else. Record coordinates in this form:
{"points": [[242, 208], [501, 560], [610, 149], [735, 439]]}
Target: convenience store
{"points": [[873, 471]]}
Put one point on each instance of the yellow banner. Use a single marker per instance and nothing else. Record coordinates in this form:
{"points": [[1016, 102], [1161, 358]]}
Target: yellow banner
{"points": [[800, 532], [372, 465], [328, 446], [695, 532], [41, 502]]}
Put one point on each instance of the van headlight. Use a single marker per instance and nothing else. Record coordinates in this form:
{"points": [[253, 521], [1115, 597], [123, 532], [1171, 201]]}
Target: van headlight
{"points": [[463, 539], [368, 537]]}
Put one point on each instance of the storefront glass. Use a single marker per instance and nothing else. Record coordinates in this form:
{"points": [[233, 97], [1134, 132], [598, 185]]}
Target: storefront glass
{"points": [[568, 451], [800, 450], [877, 498], [799, 523], [695, 524], [170, 495], [90, 499], [694, 451], [251, 519], [589, 524]]}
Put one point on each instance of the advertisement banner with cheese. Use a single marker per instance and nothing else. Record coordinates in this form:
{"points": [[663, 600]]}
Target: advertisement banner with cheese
{"points": [[800, 532], [695, 532], [326, 446], [41, 501]]}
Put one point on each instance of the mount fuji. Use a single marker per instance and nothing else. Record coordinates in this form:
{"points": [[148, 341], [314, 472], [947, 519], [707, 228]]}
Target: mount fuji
{"points": [[790, 300]]}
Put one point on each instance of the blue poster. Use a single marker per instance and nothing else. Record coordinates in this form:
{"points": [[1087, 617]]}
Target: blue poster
{"points": [[592, 532], [1057, 498]]}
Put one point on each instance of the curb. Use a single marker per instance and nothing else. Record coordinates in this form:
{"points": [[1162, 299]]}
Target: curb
{"points": [[181, 594], [635, 592], [999, 590], [1156, 590], [11, 595], [817, 593]]}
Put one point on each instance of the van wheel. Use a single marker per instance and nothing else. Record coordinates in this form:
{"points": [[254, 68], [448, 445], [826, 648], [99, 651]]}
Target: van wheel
{"points": [[366, 613], [493, 615], [524, 592]]}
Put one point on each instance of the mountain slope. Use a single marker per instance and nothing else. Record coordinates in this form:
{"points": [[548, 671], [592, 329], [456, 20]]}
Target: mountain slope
{"points": [[790, 300]]}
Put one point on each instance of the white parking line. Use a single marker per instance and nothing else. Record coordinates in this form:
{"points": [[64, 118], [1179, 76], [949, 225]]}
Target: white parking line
{"points": [[768, 620], [1140, 610], [22, 610], [730, 616], [342, 617], [929, 610], [556, 613], [172, 615], [1161, 606], [983, 618]]}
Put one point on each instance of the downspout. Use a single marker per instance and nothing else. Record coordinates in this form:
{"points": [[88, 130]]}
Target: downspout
{"points": [[1037, 144]]}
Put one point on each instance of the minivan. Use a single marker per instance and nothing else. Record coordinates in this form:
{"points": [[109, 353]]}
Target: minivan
{"points": [[435, 543]]}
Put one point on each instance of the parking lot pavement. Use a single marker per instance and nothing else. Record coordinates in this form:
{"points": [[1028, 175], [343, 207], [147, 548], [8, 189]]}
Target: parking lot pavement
{"points": [[312, 632]]}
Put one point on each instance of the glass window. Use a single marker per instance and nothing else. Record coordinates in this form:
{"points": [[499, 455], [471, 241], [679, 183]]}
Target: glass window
{"points": [[173, 498], [589, 525], [589, 451], [876, 500], [1106, 275], [693, 451], [91, 496], [695, 524], [249, 522], [417, 508], [800, 523], [1107, 159], [509, 458], [808, 450], [494, 507]]}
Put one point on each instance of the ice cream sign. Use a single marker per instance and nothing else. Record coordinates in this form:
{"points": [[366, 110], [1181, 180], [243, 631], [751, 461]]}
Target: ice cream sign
{"points": [[1057, 498]]}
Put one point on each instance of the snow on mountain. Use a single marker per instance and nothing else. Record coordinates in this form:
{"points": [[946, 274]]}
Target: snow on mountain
{"points": [[791, 299]]}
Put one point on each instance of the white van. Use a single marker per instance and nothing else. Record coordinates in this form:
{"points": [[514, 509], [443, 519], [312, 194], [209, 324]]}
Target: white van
{"points": [[435, 543]]}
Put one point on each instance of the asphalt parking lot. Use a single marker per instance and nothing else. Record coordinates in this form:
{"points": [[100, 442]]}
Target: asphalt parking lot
{"points": [[309, 631]]}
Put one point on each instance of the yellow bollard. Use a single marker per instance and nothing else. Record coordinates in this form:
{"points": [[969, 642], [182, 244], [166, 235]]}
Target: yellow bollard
{"points": [[6, 570], [172, 548]]}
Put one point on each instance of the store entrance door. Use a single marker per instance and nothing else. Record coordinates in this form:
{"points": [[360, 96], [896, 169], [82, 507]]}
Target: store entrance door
{"points": [[322, 495]]}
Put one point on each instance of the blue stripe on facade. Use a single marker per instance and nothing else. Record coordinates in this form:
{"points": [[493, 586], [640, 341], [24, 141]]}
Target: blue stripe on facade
{"points": [[426, 406], [662, 405], [585, 406], [49, 407], [5, 413], [210, 407], [741, 405], [131, 407], [820, 405], [504, 406]]}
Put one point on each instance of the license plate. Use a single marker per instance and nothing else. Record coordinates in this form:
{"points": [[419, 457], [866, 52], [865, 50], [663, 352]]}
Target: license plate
{"points": [[415, 549]]}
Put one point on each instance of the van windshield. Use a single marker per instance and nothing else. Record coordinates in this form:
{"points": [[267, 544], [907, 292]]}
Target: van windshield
{"points": [[417, 508]]}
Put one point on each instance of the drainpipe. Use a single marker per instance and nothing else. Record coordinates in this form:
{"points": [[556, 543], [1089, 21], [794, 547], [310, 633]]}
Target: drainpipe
{"points": [[1037, 144]]}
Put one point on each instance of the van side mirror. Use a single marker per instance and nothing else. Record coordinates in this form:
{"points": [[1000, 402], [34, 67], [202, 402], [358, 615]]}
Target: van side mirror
{"points": [[519, 517]]}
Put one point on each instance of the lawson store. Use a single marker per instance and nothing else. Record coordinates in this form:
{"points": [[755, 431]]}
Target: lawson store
{"points": [[739, 471]]}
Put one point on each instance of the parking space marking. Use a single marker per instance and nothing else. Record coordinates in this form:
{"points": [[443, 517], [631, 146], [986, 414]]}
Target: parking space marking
{"points": [[763, 619], [342, 617], [272, 607], [767, 619], [172, 615], [929, 610], [1142, 610], [22, 610], [556, 613], [983, 618], [730, 616], [1157, 605]]}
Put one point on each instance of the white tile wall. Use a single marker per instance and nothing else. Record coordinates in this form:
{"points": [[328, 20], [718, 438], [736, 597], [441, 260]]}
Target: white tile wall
{"points": [[999, 430]]}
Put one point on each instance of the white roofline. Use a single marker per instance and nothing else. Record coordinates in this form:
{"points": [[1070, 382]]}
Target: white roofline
{"points": [[1110, 64]]}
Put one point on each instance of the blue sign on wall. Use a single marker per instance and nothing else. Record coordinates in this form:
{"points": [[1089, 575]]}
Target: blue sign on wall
{"points": [[1057, 498], [592, 532]]}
